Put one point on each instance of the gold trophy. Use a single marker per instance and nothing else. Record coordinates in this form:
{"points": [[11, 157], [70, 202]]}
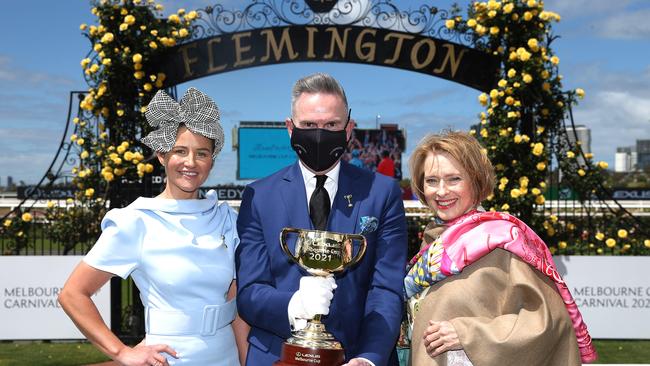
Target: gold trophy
{"points": [[321, 253]]}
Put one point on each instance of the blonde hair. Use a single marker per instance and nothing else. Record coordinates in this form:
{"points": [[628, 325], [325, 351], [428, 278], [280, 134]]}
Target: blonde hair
{"points": [[465, 150]]}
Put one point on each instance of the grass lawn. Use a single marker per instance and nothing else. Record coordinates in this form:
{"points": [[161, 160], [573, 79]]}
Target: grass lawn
{"points": [[76, 354], [49, 354]]}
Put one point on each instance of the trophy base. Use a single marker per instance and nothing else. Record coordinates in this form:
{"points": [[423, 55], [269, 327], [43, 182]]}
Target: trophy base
{"points": [[312, 346], [293, 355]]}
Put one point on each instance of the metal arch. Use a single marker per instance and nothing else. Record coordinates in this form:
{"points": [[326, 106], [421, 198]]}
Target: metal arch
{"points": [[426, 20]]}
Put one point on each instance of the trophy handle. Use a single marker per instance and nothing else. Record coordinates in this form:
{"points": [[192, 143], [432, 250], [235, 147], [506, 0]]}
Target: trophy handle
{"points": [[362, 248], [283, 242]]}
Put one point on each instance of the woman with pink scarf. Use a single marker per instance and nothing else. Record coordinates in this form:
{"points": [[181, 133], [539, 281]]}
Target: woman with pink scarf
{"points": [[483, 290]]}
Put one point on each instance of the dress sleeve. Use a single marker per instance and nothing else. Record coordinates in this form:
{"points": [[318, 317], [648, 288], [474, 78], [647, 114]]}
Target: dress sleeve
{"points": [[231, 236], [118, 248]]}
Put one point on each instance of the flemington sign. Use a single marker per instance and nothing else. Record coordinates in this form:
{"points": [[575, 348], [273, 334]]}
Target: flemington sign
{"points": [[352, 44], [378, 35]]}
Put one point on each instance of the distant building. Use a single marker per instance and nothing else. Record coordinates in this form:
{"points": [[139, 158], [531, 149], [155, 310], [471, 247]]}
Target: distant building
{"points": [[642, 154], [10, 182], [623, 159], [583, 133]]}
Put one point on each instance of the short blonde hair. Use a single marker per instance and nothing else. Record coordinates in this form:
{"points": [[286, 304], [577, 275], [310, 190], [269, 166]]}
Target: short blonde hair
{"points": [[465, 150]]}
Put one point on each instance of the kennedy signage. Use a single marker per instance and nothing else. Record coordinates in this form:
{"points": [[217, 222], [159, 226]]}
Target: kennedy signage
{"points": [[29, 286], [612, 292], [334, 43]]}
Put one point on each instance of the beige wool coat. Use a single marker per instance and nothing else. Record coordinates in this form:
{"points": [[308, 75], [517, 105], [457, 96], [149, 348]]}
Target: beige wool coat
{"points": [[506, 313]]}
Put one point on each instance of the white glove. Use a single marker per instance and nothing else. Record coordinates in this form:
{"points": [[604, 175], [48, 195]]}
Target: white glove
{"points": [[312, 298]]}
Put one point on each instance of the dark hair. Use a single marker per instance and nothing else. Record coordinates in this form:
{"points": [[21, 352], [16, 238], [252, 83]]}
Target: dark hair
{"points": [[317, 83]]}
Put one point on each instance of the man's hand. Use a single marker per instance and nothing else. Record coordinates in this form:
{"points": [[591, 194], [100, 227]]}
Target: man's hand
{"points": [[440, 337], [312, 298]]}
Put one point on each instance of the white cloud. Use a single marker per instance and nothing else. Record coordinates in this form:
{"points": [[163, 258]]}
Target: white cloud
{"points": [[630, 25]]}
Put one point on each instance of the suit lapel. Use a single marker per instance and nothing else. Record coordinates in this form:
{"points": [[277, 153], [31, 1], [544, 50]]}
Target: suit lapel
{"points": [[294, 197], [343, 218]]}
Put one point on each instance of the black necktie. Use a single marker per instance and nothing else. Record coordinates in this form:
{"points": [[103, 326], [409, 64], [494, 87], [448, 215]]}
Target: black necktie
{"points": [[319, 204]]}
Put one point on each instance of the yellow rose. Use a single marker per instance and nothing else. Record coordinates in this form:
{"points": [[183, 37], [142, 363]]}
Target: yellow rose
{"points": [[581, 172], [106, 62], [494, 30], [599, 250], [450, 23], [507, 9], [610, 243], [153, 45], [517, 138], [129, 19], [555, 60], [603, 165], [622, 233], [515, 193], [80, 141], [538, 149], [527, 78], [599, 236], [123, 27], [138, 75], [137, 58], [191, 15], [148, 168], [580, 93], [183, 33], [541, 166], [570, 154], [89, 192], [562, 245], [148, 87], [540, 200], [107, 38], [108, 176], [492, 13], [483, 99], [51, 204], [471, 23], [528, 16], [512, 73], [532, 44], [27, 217], [531, 3], [646, 243], [505, 207], [589, 155], [7, 223], [84, 154]]}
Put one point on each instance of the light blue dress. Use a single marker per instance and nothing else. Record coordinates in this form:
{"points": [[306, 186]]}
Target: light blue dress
{"points": [[180, 253]]}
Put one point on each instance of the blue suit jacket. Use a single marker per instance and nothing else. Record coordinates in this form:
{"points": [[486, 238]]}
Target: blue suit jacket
{"points": [[366, 310]]}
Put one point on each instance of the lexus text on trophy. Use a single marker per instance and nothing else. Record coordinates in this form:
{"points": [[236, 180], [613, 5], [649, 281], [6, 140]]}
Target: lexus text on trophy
{"points": [[321, 253]]}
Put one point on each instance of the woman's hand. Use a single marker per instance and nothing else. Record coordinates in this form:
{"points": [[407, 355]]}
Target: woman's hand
{"points": [[440, 337], [145, 355]]}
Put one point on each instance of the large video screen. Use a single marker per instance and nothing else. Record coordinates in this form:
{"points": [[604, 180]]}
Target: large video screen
{"points": [[372, 149], [263, 151]]}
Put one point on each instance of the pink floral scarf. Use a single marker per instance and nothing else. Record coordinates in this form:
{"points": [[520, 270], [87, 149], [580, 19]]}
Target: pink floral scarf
{"points": [[471, 236]]}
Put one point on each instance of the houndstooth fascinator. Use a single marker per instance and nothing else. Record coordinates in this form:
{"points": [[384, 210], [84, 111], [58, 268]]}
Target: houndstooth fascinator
{"points": [[196, 111]]}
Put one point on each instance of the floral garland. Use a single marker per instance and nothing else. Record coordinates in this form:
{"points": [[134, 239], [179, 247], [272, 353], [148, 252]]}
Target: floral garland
{"points": [[522, 132]]}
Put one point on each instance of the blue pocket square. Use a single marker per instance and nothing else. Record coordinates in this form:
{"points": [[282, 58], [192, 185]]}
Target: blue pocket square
{"points": [[368, 224]]}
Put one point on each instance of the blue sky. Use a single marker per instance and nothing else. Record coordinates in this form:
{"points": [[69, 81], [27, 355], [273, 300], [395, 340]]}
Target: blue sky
{"points": [[604, 48]]}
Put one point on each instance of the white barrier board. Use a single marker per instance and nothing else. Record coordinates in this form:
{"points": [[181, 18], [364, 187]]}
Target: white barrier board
{"points": [[612, 293], [29, 286]]}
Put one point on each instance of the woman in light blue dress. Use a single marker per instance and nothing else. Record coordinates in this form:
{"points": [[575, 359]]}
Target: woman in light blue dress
{"points": [[178, 249]]}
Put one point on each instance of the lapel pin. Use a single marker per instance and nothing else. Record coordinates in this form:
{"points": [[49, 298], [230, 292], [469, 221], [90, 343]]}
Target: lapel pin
{"points": [[349, 198]]}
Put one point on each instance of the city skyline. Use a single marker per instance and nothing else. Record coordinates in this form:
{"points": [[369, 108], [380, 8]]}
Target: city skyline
{"points": [[603, 48]]}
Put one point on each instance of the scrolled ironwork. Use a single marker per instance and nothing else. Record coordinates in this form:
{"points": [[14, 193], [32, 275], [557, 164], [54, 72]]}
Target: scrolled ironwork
{"points": [[383, 14]]}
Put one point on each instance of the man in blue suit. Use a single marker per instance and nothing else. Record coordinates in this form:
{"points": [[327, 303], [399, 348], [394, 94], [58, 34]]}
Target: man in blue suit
{"points": [[322, 192]]}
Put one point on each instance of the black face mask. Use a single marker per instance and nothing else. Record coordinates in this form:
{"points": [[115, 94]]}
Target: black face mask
{"points": [[319, 149]]}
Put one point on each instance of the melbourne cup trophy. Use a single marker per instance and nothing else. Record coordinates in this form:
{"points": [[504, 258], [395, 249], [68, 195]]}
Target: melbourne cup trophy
{"points": [[321, 253]]}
